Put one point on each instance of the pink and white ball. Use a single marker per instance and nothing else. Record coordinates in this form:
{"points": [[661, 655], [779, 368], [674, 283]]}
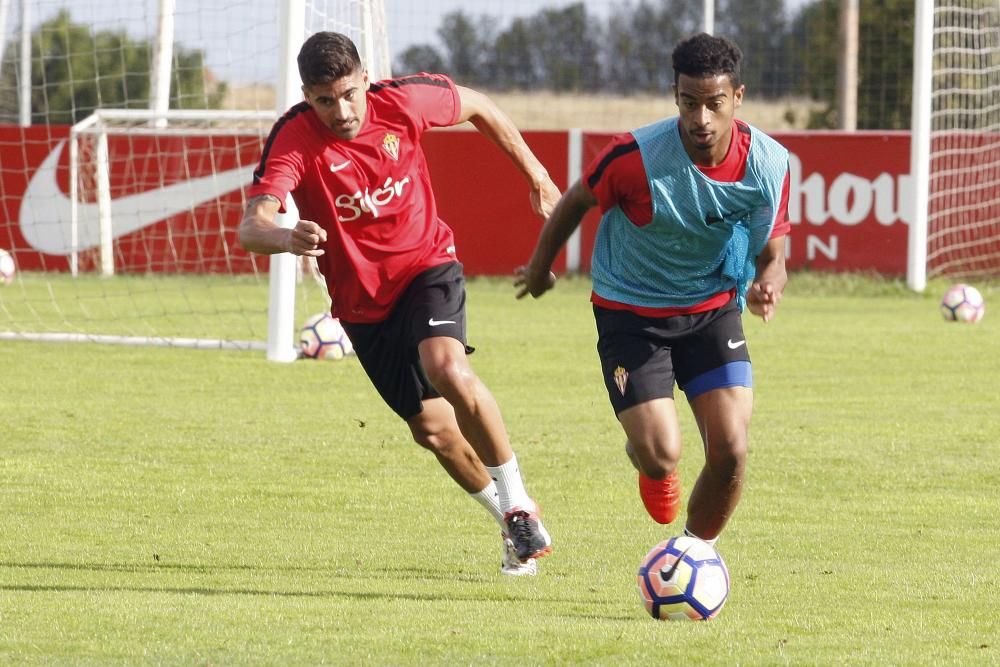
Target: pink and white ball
{"points": [[323, 337], [683, 578], [7, 268], [963, 303]]}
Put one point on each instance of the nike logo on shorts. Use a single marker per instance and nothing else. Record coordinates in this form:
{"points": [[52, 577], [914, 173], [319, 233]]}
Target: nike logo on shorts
{"points": [[436, 323], [733, 346]]}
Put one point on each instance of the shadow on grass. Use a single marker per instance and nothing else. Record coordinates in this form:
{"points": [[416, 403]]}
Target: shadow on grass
{"points": [[335, 572], [394, 577], [198, 590], [344, 571], [355, 596]]}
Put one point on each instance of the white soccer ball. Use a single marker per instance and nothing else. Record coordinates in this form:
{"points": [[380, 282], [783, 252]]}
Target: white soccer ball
{"points": [[7, 268], [323, 337], [683, 578], [963, 303]]}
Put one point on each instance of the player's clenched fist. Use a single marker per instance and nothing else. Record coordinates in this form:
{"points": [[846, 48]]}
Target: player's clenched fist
{"points": [[305, 239], [762, 299]]}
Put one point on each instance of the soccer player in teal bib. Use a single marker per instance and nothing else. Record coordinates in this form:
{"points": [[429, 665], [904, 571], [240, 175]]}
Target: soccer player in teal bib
{"points": [[694, 215]]}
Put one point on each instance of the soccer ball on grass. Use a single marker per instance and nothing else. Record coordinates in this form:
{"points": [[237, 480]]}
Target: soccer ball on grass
{"points": [[7, 268], [683, 578], [323, 337], [963, 303]]}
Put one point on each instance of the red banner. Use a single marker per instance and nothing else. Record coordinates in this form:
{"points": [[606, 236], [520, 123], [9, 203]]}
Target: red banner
{"points": [[176, 201]]}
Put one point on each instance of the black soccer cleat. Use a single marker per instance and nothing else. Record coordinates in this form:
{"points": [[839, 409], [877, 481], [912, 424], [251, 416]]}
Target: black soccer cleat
{"points": [[529, 536]]}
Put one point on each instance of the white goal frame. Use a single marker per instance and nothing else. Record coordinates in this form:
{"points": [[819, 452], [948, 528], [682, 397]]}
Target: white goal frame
{"points": [[363, 20], [920, 144], [101, 125]]}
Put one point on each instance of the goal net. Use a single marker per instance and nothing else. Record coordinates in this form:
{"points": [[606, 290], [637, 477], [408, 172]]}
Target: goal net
{"points": [[119, 205], [957, 144]]}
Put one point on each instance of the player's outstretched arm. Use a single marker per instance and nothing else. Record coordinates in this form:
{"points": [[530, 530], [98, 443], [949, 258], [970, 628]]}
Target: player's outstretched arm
{"points": [[260, 234], [769, 284], [536, 278], [493, 123]]}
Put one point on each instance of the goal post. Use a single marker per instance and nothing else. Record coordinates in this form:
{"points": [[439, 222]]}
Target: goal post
{"points": [[920, 139], [955, 141], [281, 303]]}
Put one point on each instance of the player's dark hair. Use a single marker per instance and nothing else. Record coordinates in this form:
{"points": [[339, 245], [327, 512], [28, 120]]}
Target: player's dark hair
{"points": [[704, 55], [326, 57]]}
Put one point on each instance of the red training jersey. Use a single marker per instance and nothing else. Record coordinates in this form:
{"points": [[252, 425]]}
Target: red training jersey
{"points": [[617, 177], [371, 194]]}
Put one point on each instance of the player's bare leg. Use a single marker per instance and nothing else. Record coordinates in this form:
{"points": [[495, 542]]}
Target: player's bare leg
{"points": [[654, 447], [436, 430], [654, 436], [476, 411], [723, 417], [478, 418]]}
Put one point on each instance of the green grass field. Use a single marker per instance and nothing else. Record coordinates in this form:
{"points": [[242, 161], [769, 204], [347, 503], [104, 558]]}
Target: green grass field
{"points": [[165, 506]]}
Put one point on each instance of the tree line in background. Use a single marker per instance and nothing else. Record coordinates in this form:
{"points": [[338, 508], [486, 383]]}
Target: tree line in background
{"points": [[75, 70], [566, 50], [572, 50]]}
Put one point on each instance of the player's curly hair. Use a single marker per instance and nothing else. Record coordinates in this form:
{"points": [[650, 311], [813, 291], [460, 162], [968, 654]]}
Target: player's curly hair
{"points": [[704, 55], [326, 57]]}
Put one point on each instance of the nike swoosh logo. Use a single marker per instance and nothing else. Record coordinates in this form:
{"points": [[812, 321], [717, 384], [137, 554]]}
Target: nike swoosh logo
{"points": [[667, 575], [338, 167], [437, 323], [45, 209], [733, 346]]}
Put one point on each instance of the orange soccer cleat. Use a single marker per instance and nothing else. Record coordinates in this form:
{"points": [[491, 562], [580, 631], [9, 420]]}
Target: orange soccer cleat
{"points": [[662, 498]]}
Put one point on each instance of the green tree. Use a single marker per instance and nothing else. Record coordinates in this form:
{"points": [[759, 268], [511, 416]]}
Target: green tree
{"points": [[75, 71], [640, 40], [885, 69], [758, 27], [515, 59], [813, 38], [419, 58], [467, 46], [885, 61], [568, 49]]}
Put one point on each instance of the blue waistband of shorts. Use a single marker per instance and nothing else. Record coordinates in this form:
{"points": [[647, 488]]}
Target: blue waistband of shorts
{"points": [[733, 374]]}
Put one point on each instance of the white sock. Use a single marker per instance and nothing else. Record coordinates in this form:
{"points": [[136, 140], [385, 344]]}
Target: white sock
{"points": [[490, 499], [510, 487], [690, 534]]}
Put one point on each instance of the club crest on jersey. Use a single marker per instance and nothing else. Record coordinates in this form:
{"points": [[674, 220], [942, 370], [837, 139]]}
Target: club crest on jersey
{"points": [[621, 379], [390, 143]]}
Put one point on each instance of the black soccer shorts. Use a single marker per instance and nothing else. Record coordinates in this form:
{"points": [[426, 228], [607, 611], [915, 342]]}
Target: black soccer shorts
{"points": [[642, 357], [432, 305]]}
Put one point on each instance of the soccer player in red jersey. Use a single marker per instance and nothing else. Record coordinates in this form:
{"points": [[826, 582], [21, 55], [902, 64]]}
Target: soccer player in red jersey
{"points": [[350, 156], [694, 218]]}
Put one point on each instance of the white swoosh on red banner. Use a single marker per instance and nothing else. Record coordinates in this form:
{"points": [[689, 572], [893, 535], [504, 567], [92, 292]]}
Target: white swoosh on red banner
{"points": [[45, 209]]}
